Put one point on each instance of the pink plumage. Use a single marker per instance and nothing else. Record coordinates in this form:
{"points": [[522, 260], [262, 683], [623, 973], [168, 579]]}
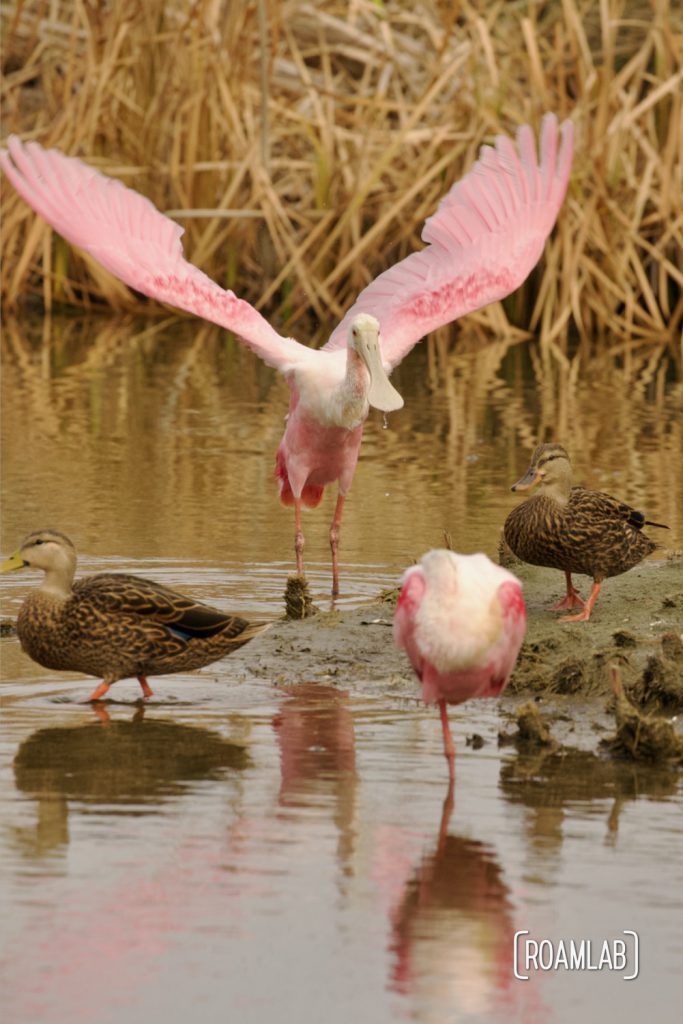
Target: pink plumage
{"points": [[461, 620], [487, 234]]}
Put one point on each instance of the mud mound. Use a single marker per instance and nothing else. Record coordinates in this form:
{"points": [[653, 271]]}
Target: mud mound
{"points": [[641, 737], [660, 688]]}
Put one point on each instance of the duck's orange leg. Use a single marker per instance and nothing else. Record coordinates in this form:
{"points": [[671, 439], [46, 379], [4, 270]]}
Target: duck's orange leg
{"points": [[448, 745], [572, 600], [334, 542], [585, 614], [147, 691], [100, 691]]}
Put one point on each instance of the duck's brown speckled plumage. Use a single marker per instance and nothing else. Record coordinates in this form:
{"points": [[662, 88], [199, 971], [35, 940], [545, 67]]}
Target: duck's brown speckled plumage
{"points": [[572, 528], [114, 625]]}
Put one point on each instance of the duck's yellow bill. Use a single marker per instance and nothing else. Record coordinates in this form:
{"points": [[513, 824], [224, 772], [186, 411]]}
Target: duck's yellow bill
{"points": [[14, 561]]}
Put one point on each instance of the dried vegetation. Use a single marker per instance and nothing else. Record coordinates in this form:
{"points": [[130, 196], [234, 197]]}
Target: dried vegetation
{"points": [[302, 145]]}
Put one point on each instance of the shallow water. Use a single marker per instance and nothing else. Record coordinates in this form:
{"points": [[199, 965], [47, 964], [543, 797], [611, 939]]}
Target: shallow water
{"points": [[252, 851]]}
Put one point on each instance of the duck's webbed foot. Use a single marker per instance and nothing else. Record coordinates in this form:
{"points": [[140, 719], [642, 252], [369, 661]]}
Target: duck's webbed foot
{"points": [[585, 613], [572, 599]]}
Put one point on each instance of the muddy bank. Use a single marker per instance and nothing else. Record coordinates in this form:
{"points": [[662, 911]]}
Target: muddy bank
{"points": [[564, 667], [638, 622]]}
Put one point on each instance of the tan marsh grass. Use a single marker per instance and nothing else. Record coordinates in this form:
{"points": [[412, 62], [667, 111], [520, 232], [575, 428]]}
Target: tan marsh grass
{"points": [[302, 144]]}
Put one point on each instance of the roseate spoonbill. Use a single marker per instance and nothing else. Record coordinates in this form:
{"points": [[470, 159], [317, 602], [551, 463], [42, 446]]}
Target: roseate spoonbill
{"points": [[573, 529], [115, 625], [461, 620], [482, 242]]}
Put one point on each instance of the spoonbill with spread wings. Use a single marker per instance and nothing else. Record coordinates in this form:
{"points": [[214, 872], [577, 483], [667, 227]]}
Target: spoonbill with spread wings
{"points": [[482, 242]]}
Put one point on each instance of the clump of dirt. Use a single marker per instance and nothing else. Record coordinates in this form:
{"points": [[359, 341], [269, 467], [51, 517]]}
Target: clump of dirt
{"points": [[660, 687], [298, 601], [641, 737], [624, 638], [532, 730], [542, 669]]}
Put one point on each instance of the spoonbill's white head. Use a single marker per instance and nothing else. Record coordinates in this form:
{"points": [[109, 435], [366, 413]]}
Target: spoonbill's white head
{"points": [[364, 340]]}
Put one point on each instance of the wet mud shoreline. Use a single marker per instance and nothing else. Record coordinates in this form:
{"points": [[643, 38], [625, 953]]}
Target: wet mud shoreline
{"points": [[563, 667], [560, 700]]}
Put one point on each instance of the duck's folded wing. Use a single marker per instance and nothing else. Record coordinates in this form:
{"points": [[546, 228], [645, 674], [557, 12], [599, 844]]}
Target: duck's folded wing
{"points": [[112, 593], [133, 240], [486, 236]]}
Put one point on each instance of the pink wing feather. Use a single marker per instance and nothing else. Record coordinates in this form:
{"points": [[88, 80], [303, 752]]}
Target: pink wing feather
{"points": [[484, 239], [134, 241]]}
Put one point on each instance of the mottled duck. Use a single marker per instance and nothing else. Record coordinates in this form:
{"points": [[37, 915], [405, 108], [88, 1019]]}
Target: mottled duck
{"points": [[574, 529], [114, 625]]}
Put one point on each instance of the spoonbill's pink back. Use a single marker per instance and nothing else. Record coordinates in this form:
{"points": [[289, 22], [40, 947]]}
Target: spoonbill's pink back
{"points": [[461, 620], [482, 242]]}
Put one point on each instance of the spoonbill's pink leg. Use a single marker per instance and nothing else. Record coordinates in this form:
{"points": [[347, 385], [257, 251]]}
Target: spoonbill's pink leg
{"points": [[446, 812], [147, 691], [298, 537], [448, 746], [573, 598], [334, 541], [585, 614], [99, 692]]}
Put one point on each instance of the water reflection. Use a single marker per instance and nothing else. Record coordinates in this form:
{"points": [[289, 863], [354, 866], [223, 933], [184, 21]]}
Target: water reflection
{"points": [[452, 933], [550, 784], [135, 765], [315, 735], [158, 440]]}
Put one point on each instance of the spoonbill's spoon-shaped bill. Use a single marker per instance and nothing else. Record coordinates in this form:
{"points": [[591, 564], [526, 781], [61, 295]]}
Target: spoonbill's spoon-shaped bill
{"points": [[482, 242]]}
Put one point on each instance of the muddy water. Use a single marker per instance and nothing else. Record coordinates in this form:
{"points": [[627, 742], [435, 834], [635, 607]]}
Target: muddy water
{"points": [[157, 444], [243, 849]]}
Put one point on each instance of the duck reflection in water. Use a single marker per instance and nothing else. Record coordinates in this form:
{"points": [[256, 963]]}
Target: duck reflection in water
{"points": [[135, 764]]}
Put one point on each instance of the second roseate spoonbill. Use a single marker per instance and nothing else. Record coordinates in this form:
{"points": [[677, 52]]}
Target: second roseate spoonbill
{"points": [[114, 625], [482, 242], [461, 620], [573, 529]]}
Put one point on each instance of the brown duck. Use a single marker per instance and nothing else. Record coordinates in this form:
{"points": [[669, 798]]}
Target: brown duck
{"points": [[114, 625], [573, 529]]}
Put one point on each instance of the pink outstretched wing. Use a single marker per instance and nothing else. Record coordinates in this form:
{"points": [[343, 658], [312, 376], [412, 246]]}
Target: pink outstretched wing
{"points": [[484, 239], [134, 241]]}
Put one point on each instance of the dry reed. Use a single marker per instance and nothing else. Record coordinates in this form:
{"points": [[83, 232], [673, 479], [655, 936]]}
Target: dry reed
{"points": [[302, 144]]}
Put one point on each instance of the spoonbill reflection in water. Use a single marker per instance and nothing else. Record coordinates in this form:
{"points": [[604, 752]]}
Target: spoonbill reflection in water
{"points": [[482, 242], [461, 620]]}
